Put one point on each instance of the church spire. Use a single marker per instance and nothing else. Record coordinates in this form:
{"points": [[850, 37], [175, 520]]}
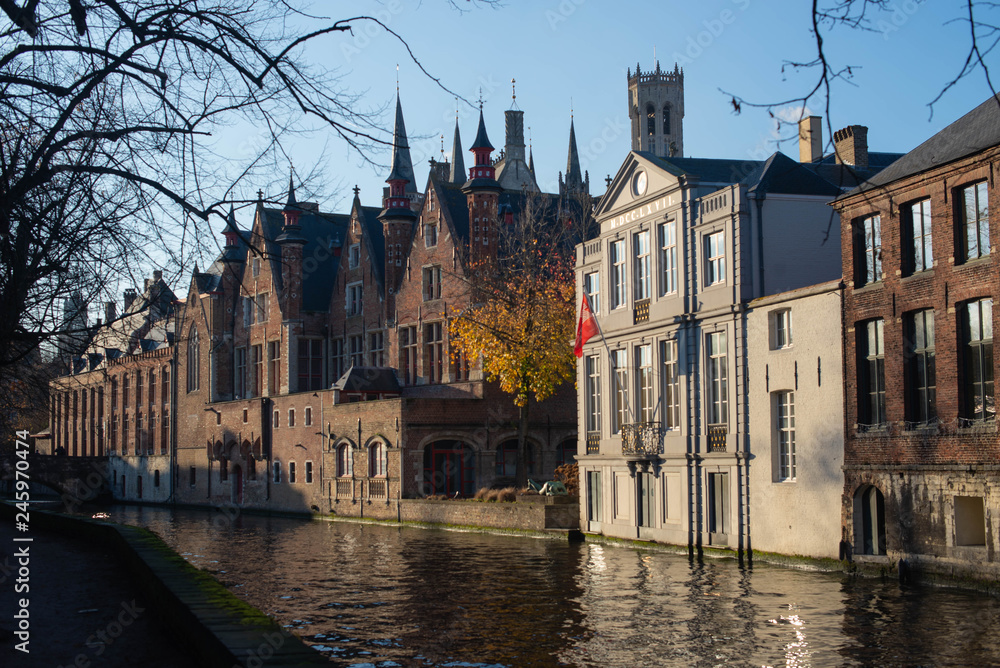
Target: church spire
{"points": [[457, 159], [402, 166], [574, 178]]}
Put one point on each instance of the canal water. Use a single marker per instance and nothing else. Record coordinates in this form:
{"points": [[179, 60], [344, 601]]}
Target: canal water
{"points": [[380, 596]]}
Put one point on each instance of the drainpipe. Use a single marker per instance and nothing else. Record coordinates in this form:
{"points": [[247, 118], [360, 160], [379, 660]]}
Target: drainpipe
{"points": [[759, 200]]}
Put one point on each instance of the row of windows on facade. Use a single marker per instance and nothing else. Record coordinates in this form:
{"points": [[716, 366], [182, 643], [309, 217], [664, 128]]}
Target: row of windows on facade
{"points": [[972, 235], [121, 483], [652, 507], [645, 407], [642, 267], [975, 382]]}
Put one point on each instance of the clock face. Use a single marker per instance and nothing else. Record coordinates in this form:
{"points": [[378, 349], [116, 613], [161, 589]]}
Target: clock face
{"points": [[639, 184]]}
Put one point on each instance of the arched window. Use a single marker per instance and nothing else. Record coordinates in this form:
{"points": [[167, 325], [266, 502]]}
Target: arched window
{"points": [[449, 468], [566, 453], [377, 460], [345, 465], [193, 361], [507, 459], [650, 120], [869, 520], [666, 119]]}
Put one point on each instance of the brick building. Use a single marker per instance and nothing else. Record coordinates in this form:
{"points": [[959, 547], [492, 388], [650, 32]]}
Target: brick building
{"points": [[310, 365], [922, 282]]}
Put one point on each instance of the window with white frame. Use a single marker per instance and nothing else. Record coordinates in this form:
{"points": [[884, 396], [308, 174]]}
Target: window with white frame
{"points": [[667, 233], [308, 416], [715, 258], [868, 250], [592, 287], [975, 220], [309, 473], [784, 403], [718, 378], [619, 370], [291, 417], [354, 303], [354, 256], [671, 384], [593, 396], [618, 276], [432, 283], [916, 224], [240, 378], [781, 328], [644, 382], [640, 250], [977, 352], [871, 376]]}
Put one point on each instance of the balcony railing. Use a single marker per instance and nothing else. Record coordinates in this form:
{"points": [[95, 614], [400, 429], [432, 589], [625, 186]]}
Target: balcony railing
{"points": [[642, 438], [641, 312], [345, 489], [377, 488], [717, 437], [593, 442]]}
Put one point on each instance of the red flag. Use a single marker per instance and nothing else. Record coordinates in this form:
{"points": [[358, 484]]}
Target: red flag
{"points": [[585, 328]]}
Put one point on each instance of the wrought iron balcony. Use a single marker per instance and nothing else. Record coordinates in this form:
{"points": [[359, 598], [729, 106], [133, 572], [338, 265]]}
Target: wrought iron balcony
{"points": [[641, 312], [642, 438], [717, 437], [593, 442]]}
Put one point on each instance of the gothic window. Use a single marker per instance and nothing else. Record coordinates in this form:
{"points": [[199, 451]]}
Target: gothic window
{"points": [[193, 361], [666, 119], [650, 120]]}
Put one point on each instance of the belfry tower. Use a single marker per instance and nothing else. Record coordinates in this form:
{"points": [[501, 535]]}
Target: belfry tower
{"points": [[656, 108]]}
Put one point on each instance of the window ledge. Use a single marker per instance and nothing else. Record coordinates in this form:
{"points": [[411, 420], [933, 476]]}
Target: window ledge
{"points": [[918, 275], [871, 431], [974, 262], [870, 287]]}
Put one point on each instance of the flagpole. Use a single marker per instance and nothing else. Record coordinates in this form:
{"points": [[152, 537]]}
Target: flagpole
{"points": [[611, 359]]}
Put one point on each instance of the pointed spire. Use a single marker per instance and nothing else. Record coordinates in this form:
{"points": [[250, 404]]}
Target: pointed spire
{"points": [[457, 174], [291, 204], [482, 141], [573, 175], [402, 166], [531, 162]]}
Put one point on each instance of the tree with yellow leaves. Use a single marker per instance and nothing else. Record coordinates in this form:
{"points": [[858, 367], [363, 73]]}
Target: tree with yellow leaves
{"points": [[520, 322]]}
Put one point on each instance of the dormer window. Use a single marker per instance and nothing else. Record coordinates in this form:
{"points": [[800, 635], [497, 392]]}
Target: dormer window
{"points": [[354, 256], [255, 266], [430, 235]]}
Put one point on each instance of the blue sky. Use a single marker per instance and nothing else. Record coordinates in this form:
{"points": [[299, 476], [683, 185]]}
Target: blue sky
{"points": [[573, 54]]}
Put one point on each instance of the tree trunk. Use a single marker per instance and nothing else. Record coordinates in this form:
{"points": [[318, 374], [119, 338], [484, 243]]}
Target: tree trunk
{"points": [[521, 472]]}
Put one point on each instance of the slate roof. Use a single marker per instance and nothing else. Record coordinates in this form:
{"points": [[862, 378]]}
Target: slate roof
{"points": [[977, 130], [708, 170], [781, 174], [368, 379], [374, 235], [322, 231]]}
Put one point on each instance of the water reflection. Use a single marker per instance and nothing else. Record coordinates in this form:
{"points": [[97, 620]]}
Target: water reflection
{"points": [[384, 596]]}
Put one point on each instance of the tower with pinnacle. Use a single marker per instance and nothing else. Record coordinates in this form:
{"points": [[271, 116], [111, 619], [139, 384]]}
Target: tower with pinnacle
{"points": [[656, 109]]}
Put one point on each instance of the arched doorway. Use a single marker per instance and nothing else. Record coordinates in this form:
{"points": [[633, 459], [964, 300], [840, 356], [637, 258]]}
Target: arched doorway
{"points": [[449, 468], [869, 520], [238, 484]]}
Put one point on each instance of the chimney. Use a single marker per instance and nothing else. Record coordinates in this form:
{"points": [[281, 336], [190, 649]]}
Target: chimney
{"points": [[157, 275], [110, 313], [129, 298], [852, 146], [810, 139]]}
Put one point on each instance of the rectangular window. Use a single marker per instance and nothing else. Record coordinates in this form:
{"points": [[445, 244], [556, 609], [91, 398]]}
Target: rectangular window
{"points": [[255, 266], [715, 252], [408, 354], [718, 379], [273, 367], [592, 287], [667, 233], [619, 370], [921, 405], [192, 475], [640, 248], [785, 426], [291, 473], [975, 220], [249, 311], [430, 235], [310, 364], [262, 307], [376, 342], [618, 282], [308, 416], [291, 417], [594, 496], [871, 380], [240, 374], [459, 362], [978, 354], [593, 395], [434, 352], [151, 378], [671, 384], [257, 361], [337, 360], [970, 520], [138, 390], [354, 303], [277, 473], [916, 223], [354, 256], [309, 473], [781, 328], [432, 283], [644, 382], [357, 348], [868, 250]]}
